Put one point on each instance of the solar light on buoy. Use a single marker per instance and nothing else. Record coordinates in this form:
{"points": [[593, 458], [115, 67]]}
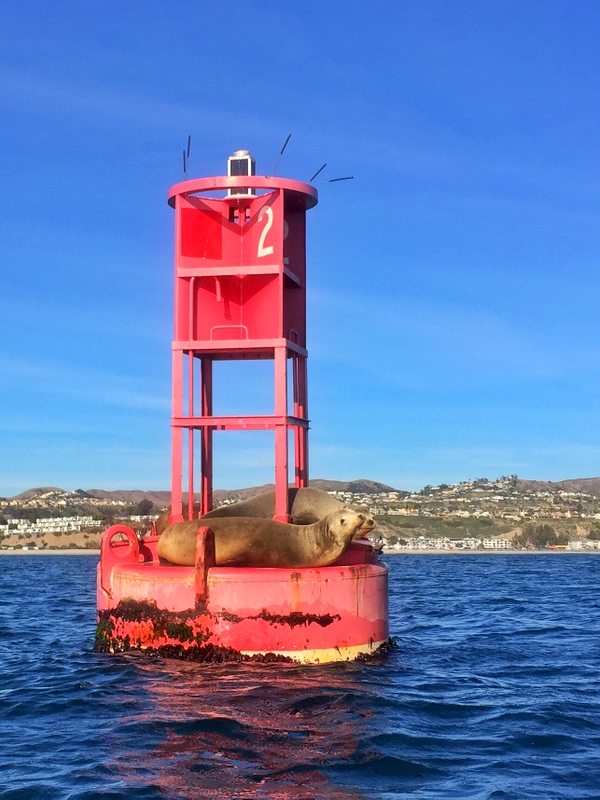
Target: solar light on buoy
{"points": [[240, 164]]}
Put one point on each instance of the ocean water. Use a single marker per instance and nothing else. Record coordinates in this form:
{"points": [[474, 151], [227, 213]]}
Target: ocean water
{"points": [[492, 692]]}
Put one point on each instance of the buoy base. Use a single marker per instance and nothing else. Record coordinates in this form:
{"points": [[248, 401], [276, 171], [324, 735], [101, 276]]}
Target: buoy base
{"points": [[307, 616]]}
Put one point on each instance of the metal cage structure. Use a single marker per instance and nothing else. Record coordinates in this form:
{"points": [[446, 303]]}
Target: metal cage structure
{"points": [[240, 293]]}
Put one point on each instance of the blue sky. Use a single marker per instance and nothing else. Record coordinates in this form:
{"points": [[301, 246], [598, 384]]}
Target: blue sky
{"points": [[453, 285]]}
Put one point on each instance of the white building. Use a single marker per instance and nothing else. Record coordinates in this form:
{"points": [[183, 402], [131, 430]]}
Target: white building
{"points": [[497, 544]]}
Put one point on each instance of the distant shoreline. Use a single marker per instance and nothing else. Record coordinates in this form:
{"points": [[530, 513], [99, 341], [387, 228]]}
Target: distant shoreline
{"points": [[71, 551], [80, 551], [490, 552]]}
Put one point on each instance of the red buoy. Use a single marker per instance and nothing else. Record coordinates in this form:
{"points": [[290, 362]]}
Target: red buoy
{"points": [[240, 293]]}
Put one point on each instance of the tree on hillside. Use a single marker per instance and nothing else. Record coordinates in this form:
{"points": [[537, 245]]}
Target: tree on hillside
{"points": [[538, 536], [26, 513], [144, 507]]}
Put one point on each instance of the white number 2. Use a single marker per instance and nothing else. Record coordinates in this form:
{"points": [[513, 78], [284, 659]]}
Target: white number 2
{"points": [[267, 212]]}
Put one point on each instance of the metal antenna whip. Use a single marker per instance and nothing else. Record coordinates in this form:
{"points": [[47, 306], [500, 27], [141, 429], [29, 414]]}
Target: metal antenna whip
{"points": [[285, 144]]}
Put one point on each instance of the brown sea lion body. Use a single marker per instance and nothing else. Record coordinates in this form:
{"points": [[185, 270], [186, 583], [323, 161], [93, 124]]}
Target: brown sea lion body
{"points": [[306, 506], [258, 542]]}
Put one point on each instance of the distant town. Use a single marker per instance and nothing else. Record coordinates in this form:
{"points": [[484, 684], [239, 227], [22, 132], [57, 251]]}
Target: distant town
{"points": [[496, 515]]}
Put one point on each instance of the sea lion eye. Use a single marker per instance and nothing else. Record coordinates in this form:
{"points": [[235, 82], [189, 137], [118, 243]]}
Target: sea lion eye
{"points": [[343, 521]]}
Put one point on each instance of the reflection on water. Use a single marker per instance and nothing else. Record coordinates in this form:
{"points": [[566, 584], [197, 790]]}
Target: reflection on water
{"points": [[245, 731]]}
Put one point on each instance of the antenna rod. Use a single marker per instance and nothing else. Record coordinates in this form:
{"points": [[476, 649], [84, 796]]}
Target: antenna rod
{"points": [[317, 172], [349, 178], [285, 144], [184, 166], [189, 145]]}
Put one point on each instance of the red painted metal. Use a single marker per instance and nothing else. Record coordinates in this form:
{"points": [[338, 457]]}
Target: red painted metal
{"points": [[205, 561], [240, 293], [318, 615]]}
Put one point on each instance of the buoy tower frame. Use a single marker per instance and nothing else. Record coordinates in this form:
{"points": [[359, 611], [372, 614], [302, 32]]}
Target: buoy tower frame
{"points": [[240, 293]]}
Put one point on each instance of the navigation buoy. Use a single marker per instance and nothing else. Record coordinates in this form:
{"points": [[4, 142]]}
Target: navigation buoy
{"points": [[240, 294]]}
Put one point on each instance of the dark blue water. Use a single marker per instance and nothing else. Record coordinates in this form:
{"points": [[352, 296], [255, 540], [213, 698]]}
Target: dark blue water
{"points": [[493, 693]]}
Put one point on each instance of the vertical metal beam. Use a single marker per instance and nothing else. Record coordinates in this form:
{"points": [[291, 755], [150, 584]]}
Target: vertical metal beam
{"points": [[302, 457], [190, 430], [281, 431], [206, 450], [205, 559], [297, 429], [177, 438]]}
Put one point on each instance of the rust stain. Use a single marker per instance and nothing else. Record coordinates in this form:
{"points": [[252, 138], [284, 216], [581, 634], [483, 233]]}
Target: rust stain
{"points": [[211, 654], [384, 648], [189, 643], [359, 570], [297, 618], [141, 625], [229, 617]]}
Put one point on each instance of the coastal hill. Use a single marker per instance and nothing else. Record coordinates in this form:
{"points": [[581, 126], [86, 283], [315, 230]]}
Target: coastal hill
{"points": [[44, 495], [49, 495], [509, 507], [589, 486], [49, 517]]}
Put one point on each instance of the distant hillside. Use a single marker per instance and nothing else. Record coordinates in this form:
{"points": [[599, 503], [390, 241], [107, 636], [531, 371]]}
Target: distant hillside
{"points": [[508, 506], [132, 496], [51, 495], [590, 486], [587, 485], [29, 493], [358, 486], [161, 499]]}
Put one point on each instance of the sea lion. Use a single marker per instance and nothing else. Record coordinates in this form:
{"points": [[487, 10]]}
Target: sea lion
{"points": [[256, 542], [307, 505]]}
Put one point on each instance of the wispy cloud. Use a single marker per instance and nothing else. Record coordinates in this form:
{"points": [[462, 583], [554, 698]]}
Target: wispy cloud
{"points": [[97, 387], [413, 338], [35, 89]]}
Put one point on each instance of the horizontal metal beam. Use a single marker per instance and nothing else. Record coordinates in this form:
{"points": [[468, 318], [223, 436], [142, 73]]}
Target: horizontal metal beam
{"points": [[266, 422]]}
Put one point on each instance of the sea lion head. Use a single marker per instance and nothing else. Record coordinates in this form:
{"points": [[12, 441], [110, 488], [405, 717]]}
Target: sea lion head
{"points": [[367, 526], [337, 531], [345, 524]]}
